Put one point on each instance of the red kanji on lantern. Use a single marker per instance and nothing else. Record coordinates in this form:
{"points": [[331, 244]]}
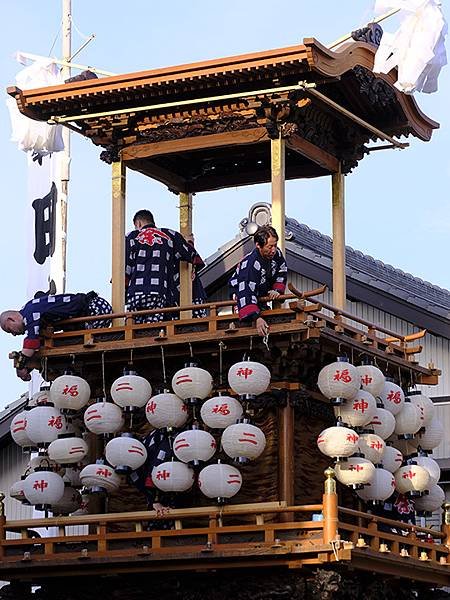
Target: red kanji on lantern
{"points": [[55, 422], [394, 397], [352, 437], [343, 375], [376, 445], [163, 474], [234, 478], [221, 408], [71, 391], [356, 468], [241, 372], [366, 380], [361, 405], [408, 474], [40, 485], [103, 472], [151, 406]]}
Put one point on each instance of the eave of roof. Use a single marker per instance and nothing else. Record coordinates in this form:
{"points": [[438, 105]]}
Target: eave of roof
{"points": [[244, 71]]}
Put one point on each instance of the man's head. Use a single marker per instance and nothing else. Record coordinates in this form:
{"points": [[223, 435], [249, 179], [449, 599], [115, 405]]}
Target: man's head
{"points": [[11, 321], [143, 217], [266, 239]]}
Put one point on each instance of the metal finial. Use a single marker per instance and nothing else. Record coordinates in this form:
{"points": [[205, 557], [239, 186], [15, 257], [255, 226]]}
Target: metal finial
{"points": [[446, 507], [330, 481]]}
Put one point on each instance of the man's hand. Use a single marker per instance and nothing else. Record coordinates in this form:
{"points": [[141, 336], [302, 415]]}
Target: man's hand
{"points": [[24, 374], [190, 239], [161, 510], [261, 327], [273, 294]]}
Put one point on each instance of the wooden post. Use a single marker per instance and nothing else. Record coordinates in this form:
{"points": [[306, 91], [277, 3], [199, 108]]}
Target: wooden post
{"points": [[118, 237], [278, 151], [2, 525], [330, 508], [338, 210], [286, 457], [446, 524], [185, 268]]}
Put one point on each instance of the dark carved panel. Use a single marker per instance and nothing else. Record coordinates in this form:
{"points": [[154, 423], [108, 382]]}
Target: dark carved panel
{"points": [[110, 155], [377, 90]]}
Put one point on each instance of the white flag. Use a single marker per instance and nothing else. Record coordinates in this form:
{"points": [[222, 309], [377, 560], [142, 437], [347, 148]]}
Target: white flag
{"points": [[417, 48]]}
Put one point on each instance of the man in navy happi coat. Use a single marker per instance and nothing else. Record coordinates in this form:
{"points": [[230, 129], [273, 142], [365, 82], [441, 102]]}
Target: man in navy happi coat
{"points": [[152, 258], [49, 310], [263, 272]]}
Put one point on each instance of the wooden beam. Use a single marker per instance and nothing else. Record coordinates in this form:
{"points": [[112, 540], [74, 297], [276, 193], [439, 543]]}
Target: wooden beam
{"points": [[185, 268], [214, 140], [118, 237], [174, 182], [312, 152], [338, 214], [286, 455], [278, 153]]}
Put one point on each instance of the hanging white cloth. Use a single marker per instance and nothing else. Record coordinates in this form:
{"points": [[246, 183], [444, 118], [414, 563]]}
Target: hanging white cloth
{"points": [[35, 136], [417, 48]]}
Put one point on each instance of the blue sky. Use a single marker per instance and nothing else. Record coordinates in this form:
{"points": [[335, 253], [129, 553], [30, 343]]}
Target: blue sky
{"points": [[397, 202]]}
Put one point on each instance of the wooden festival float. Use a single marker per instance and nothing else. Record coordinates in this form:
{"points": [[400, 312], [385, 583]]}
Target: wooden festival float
{"points": [[297, 112]]}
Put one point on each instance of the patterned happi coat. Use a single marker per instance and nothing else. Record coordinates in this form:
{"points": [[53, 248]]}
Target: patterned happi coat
{"points": [[255, 276], [152, 258]]}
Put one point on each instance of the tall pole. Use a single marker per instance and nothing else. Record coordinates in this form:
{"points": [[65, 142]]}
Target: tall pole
{"points": [[59, 270], [185, 268], [338, 213]]}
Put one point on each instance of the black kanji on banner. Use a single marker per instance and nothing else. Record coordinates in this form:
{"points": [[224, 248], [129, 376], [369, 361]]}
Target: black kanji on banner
{"points": [[45, 225]]}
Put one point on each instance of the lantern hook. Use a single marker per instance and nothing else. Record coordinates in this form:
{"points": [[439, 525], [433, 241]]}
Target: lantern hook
{"points": [[163, 367], [103, 375], [266, 342], [190, 350], [130, 362], [221, 349]]}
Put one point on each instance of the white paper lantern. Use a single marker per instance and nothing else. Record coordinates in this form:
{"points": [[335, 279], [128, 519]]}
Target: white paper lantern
{"points": [[372, 379], [68, 450], [173, 476], [41, 397], [18, 429], [219, 481], [432, 436], [358, 411], [338, 442], [339, 381], [44, 424], [431, 501], [99, 477], [243, 440], [125, 453], [43, 488], [392, 459], [355, 471], [131, 391], [192, 383], [411, 478], [103, 417], [407, 421], [372, 446], [221, 411], [380, 488], [431, 466], [382, 423], [424, 405], [194, 445], [70, 502], [42, 462], [166, 410], [392, 397], [248, 378], [70, 393], [16, 491]]}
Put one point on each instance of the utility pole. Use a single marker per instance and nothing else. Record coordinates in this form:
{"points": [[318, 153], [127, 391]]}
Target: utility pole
{"points": [[58, 270]]}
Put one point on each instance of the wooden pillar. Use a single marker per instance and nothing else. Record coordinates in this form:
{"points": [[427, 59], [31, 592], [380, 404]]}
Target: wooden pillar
{"points": [[446, 524], [286, 457], [278, 151], [330, 508], [118, 236], [338, 210], [185, 268]]}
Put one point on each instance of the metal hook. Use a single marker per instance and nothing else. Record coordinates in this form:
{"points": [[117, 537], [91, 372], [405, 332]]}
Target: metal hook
{"points": [[251, 343], [130, 362], [72, 356], [190, 350], [221, 348], [266, 342], [103, 375]]}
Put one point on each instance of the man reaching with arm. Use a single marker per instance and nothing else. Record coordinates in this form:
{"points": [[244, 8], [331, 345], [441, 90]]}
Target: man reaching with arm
{"points": [[263, 272]]}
